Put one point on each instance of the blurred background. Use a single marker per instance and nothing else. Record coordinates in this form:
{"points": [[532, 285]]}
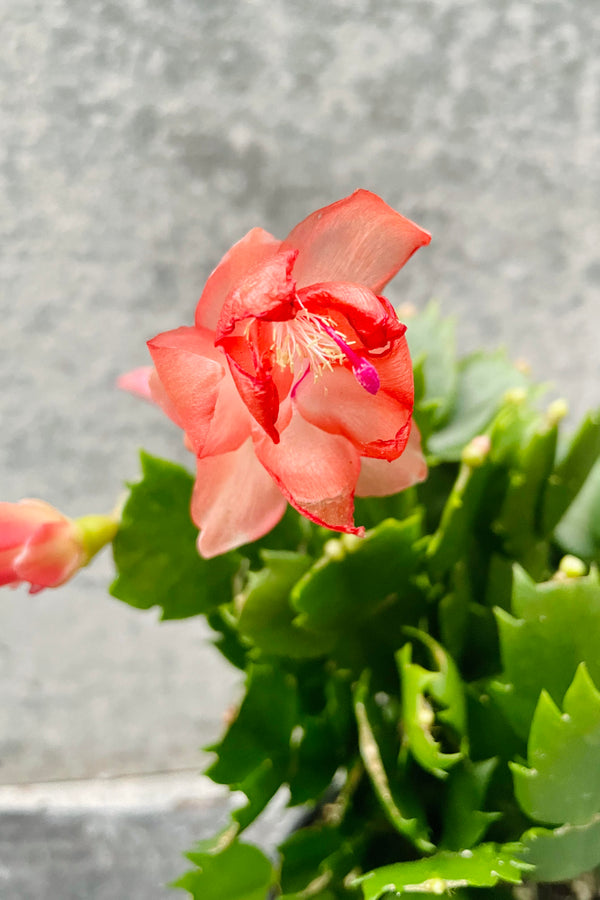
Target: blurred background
{"points": [[138, 140]]}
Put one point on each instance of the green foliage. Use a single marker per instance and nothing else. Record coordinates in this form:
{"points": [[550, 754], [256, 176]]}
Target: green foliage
{"points": [[239, 872], [431, 342], [432, 702], [155, 548], [267, 618], [562, 783], [379, 751], [565, 852], [483, 867], [339, 592], [465, 822], [483, 380], [572, 471], [254, 754], [554, 627], [579, 531], [395, 684]]}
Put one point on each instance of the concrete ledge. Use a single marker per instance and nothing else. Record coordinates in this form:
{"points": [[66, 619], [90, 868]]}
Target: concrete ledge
{"points": [[111, 839]]}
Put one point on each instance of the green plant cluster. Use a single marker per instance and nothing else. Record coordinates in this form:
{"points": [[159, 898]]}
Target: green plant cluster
{"points": [[429, 693]]}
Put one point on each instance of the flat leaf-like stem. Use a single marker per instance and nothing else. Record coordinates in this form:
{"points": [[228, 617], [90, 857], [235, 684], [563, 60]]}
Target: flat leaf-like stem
{"points": [[155, 548], [562, 780], [483, 866]]}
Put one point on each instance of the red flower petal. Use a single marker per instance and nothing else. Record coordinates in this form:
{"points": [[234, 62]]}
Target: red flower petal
{"points": [[267, 292], [316, 471], [359, 239], [379, 478], [7, 571], [373, 318], [255, 385], [254, 248], [202, 398], [234, 501], [18, 521], [52, 554], [378, 425], [396, 373]]}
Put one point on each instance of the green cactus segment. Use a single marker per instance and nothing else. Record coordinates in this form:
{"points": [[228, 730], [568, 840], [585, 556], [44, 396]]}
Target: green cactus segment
{"points": [[432, 346], [484, 866], [572, 471], [562, 780], [483, 380], [239, 872], [565, 852], [554, 627], [433, 703], [377, 746], [155, 548], [254, 755], [356, 578], [464, 821], [266, 616], [578, 532]]}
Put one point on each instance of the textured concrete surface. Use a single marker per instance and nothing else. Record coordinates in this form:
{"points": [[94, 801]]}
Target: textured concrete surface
{"points": [[104, 855], [115, 838], [138, 140]]}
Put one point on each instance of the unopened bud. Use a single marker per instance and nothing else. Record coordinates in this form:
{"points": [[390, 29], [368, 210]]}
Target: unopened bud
{"points": [[41, 546], [557, 410], [518, 396], [476, 451], [572, 566], [333, 549]]}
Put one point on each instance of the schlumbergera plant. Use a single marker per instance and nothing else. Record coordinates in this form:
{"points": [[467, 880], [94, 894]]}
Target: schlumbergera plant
{"points": [[400, 556]]}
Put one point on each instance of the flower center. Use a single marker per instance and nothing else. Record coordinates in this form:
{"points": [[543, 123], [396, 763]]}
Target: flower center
{"points": [[304, 339], [312, 339]]}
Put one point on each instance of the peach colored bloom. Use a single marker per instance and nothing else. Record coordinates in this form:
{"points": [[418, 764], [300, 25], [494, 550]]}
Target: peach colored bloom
{"points": [[295, 382], [41, 546]]}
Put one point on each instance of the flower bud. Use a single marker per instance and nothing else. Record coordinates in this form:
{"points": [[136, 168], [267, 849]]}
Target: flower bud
{"points": [[41, 546], [476, 452], [557, 410], [571, 567]]}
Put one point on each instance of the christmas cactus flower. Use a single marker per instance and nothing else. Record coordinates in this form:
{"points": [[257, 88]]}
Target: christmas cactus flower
{"points": [[295, 382], [41, 546]]}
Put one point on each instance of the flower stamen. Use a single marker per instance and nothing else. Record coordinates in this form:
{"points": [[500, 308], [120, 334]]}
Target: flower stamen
{"points": [[314, 339]]}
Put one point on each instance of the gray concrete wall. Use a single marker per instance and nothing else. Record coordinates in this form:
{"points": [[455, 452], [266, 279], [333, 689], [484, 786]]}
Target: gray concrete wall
{"points": [[138, 140]]}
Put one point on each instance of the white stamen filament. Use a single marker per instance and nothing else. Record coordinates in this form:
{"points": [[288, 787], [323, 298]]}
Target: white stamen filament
{"points": [[304, 339]]}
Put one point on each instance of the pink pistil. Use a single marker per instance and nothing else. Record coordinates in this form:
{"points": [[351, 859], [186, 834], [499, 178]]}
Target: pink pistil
{"points": [[364, 372]]}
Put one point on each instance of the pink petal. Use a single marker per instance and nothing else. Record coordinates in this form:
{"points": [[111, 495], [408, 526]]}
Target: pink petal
{"points": [[51, 555], [396, 372], [379, 478], [18, 521], [254, 248], [202, 398], [267, 291], [234, 501], [359, 239], [7, 566], [373, 318], [257, 389], [137, 382], [316, 471], [377, 425]]}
